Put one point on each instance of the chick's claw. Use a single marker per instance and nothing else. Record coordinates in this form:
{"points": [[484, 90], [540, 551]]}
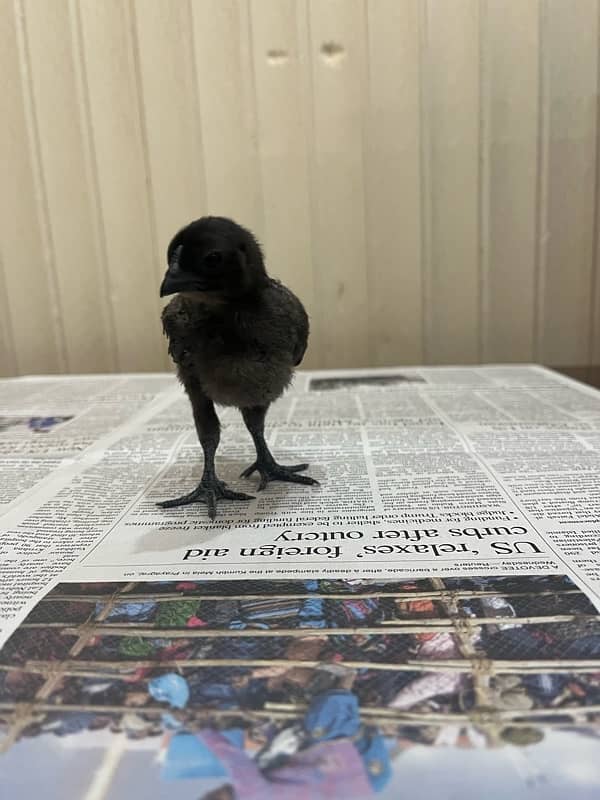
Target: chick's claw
{"points": [[208, 492], [271, 471]]}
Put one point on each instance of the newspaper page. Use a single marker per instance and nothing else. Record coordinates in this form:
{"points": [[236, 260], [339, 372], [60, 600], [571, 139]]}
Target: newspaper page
{"points": [[77, 411], [425, 621]]}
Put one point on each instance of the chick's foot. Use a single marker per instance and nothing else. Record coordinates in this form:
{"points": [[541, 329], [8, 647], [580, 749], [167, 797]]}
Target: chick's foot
{"points": [[269, 470], [209, 491]]}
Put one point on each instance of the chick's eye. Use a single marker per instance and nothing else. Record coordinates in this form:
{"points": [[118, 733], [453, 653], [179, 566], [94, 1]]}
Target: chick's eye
{"points": [[213, 259]]}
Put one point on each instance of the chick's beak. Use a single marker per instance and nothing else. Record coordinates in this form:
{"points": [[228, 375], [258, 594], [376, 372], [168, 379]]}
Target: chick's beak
{"points": [[175, 279], [172, 283]]}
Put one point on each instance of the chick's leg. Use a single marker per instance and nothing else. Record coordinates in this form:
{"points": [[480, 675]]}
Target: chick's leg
{"points": [[265, 464], [210, 489]]}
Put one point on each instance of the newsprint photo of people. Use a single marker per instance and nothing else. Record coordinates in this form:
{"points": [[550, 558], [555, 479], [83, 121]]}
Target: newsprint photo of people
{"points": [[332, 689]]}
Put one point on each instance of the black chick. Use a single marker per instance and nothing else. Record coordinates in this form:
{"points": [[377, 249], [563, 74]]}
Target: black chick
{"points": [[235, 336]]}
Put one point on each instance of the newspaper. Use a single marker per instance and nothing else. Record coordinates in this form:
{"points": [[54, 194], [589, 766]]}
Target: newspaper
{"points": [[361, 622], [77, 412]]}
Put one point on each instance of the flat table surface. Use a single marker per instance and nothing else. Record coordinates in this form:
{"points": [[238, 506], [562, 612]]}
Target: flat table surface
{"points": [[589, 375]]}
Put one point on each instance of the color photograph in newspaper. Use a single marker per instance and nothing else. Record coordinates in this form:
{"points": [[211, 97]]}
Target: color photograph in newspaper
{"points": [[250, 690]]}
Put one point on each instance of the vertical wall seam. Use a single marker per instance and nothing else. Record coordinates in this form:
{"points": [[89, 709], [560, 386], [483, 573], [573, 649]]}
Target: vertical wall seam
{"points": [[41, 196], [91, 166], [365, 117], [143, 130], [12, 366], [484, 186], [304, 8], [254, 108], [426, 209], [541, 202], [140, 117], [594, 278], [197, 110]]}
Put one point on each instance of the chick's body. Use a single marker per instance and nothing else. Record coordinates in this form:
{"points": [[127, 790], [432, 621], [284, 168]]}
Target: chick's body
{"points": [[240, 355], [235, 335]]}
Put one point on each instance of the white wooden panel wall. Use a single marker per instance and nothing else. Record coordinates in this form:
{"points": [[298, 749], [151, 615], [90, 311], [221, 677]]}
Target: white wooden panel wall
{"points": [[510, 152], [451, 153], [570, 59], [424, 174], [392, 160]]}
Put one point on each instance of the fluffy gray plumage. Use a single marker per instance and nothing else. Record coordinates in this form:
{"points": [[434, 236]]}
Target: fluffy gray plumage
{"points": [[241, 353], [235, 335]]}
